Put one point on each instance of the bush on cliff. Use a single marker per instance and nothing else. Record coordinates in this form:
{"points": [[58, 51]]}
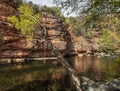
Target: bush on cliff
{"points": [[24, 21]]}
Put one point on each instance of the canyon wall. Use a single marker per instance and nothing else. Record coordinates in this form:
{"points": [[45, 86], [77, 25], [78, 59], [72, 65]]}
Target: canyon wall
{"points": [[14, 45]]}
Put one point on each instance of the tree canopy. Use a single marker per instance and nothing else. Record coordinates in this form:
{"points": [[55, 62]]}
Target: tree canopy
{"points": [[104, 15], [91, 6], [92, 9]]}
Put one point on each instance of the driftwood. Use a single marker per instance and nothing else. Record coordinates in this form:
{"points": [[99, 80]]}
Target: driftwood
{"points": [[41, 31]]}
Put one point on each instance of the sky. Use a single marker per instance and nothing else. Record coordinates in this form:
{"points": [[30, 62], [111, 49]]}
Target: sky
{"points": [[43, 2], [48, 3]]}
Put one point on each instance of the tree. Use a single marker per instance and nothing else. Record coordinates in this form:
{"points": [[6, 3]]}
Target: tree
{"points": [[23, 21], [15, 3], [91, 6], [74, 25], [34, 6], [107, 42], [100, 14], [91, 9]]}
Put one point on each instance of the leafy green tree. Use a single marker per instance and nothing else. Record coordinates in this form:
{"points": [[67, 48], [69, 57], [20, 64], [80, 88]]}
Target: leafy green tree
{"points": [[89, 7], [15, 3], [23, 21], [99, 14], [107, 42], [90, 10], [74, 25], [30, 3], [34, 6]]}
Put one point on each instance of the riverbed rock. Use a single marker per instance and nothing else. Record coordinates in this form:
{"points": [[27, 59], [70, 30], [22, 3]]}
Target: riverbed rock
{"points": [[90, 85]]}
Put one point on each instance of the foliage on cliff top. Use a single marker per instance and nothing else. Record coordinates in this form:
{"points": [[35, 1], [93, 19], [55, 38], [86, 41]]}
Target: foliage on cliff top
{"points": [[74, 26], [23, 21], [55, 11]]}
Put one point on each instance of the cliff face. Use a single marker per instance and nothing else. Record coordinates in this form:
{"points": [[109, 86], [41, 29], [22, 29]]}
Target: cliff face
{"points": [[5, 8], [14, 45], [57, 31], [81, 45]]}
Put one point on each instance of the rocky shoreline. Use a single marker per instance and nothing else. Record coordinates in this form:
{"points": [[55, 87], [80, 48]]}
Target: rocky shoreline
{"points": [[23, 60], [90, 85]]}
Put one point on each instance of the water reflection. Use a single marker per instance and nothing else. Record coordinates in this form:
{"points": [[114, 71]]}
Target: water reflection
{"points": [[34, 76], [110, 67], [96, 68]]}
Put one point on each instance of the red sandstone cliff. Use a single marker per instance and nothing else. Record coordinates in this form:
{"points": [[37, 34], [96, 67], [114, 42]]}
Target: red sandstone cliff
{"points": [[14, 45]]}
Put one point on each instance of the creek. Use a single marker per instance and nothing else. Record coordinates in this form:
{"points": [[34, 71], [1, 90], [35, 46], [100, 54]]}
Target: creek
{"points": [[51, 76], [98, 69]]}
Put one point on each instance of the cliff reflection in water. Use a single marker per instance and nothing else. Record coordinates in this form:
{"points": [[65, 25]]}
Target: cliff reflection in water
{"points": [[98, 69]]}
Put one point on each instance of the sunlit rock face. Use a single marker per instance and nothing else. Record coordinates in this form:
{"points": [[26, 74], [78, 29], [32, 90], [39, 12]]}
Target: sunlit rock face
{"points": [[15, 45], [57, 31], [82, 46]]}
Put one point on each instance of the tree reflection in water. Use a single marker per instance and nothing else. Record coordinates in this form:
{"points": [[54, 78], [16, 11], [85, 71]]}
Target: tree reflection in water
{"points": [[99, 69], [111, 67], [37, 76]]}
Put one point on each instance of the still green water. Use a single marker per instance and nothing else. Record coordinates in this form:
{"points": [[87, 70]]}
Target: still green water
{"points": [[98, 69], [49, 76], [35, 76]]}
